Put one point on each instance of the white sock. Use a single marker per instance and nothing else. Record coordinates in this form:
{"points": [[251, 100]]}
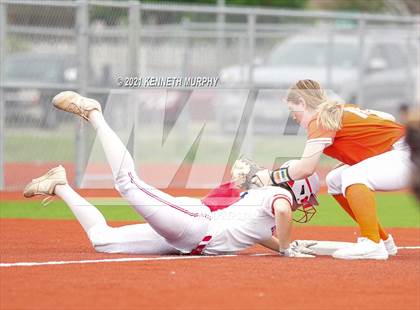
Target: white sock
{"points": [[116, 153], [87, 214]]}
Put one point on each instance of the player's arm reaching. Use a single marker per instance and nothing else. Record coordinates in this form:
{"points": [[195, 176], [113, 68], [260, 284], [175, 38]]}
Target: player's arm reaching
{"points": [[298, 169], [281, 243], [283, 213], [299, 248], [272, 244], [243, 176]]}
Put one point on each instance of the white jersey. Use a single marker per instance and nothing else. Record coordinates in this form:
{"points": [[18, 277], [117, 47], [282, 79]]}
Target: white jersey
{"points": [[249, 221]]}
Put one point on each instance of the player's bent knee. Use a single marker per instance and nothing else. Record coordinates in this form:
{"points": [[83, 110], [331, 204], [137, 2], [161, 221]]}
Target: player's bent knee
{"points": [[100, 235], [334, 181], [106, 239], [331, 178], [123, 181], [351, 177]]}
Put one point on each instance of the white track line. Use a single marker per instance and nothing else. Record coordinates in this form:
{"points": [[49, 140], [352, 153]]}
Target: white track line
{"points": [[408, 247], [109, 260], [142, 259]]}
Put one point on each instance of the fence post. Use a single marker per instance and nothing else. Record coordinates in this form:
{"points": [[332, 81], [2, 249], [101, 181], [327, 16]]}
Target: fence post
{"points": [[361, 67], [134, 26], [185, 25], [330, 56], [82, 27], [3, 18], [251, 48], [184, 117], [249, 146], [221, 24]]}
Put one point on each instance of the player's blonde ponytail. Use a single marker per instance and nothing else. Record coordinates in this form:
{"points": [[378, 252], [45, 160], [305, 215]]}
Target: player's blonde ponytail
{"points": [[329, 112]]}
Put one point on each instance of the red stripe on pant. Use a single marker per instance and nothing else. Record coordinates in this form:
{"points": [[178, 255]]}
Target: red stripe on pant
{"points": [[163, 200], [201, 246]]}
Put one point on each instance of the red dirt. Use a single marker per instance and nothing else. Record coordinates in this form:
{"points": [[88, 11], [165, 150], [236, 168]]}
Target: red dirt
{"points": [[242, 282]]}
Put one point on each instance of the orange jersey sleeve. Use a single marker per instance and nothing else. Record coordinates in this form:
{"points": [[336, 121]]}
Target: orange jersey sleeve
{"points": [[317, 134], [363, 134]]}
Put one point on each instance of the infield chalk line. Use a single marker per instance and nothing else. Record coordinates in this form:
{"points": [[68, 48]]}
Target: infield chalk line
{"points": [[408, 247], [123, 259], [142, 259], [110, 260]]}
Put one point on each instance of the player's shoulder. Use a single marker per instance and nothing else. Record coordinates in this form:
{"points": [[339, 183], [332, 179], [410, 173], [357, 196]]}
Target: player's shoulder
{"points": [[313, 128], [317, 134], [265, 197], [350, 105], [272, 191], [312, 124]]}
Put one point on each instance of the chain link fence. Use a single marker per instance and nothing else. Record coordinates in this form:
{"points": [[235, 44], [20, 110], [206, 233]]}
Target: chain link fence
{"points": [[184, 136]]}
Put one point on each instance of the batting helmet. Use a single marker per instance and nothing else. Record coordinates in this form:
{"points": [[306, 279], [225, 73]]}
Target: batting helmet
{"points": [[304, 193]]}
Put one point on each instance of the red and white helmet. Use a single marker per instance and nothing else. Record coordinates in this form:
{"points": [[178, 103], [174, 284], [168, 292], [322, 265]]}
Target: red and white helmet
{"points": [[304, 193]]}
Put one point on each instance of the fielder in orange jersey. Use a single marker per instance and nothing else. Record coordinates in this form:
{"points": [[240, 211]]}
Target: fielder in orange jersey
{"points": [[374, 157]]}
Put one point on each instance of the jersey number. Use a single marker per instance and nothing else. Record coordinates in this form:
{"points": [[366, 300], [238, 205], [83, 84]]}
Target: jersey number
{"points": [[359, 112], [366, 113]]}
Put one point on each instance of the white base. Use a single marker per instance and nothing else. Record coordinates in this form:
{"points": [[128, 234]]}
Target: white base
{"points": [[329, 247]]}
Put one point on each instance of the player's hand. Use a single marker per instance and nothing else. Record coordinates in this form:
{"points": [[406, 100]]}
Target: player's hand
{"points": [[262, 178], [299, 248], [243, 171], [303, 246], [289, 252]]}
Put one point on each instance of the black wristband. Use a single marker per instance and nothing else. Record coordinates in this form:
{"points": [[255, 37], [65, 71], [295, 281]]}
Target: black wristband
{"points": [[283, 175], [272, 177]]}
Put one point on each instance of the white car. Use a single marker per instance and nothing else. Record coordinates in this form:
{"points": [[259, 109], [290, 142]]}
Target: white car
{"points": [[390, 78]]}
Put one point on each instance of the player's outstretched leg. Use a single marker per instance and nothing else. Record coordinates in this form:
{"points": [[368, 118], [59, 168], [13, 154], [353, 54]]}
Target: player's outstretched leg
{"points": [[131, 239], [116, 153], [183, 222], [55, 182]]}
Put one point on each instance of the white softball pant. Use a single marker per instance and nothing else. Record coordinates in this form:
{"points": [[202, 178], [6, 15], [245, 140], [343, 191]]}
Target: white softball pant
{"points": [[179, 222], [385, 172], [129, 239]]}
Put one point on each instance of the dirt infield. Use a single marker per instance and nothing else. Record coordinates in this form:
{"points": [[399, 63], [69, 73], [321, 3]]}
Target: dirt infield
{"points": [[182, 282]]}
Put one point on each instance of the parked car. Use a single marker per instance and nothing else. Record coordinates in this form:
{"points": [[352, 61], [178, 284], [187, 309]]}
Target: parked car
{"points": [[32, 104], [389, 75]]}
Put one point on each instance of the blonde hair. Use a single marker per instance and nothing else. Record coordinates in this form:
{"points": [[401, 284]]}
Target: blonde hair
{"points": [[329, 112]]}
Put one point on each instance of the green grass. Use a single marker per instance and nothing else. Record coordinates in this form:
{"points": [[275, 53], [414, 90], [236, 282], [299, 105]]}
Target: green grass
{"points": [[29, 144], [59, 210], [395, 210]]}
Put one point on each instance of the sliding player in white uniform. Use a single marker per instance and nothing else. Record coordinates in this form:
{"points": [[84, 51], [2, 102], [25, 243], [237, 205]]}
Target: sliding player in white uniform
{"points": [[225, 221]]}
